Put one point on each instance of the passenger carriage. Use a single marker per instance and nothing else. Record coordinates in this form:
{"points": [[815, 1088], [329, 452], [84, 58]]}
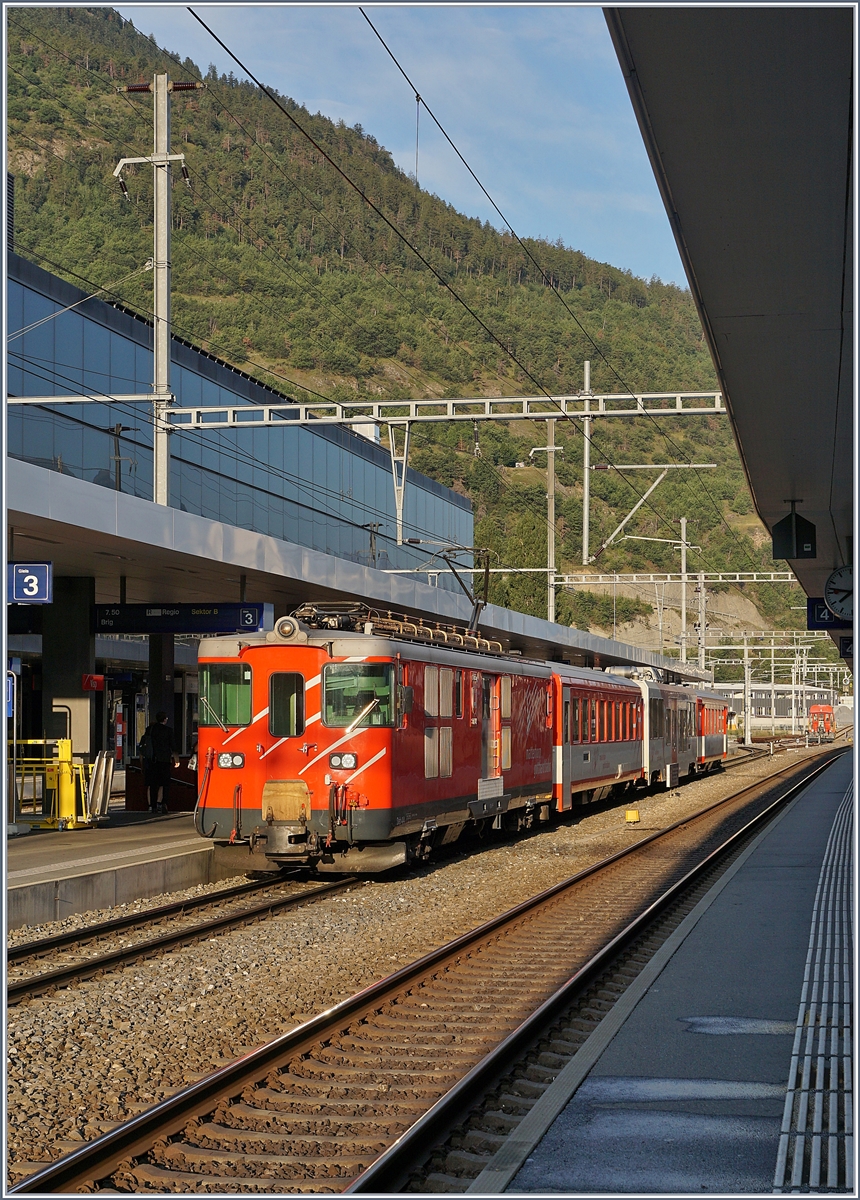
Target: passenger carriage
{"points": [[822, 722]]}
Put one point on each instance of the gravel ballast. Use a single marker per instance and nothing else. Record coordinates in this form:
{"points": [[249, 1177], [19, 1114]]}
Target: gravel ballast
{"points": [[100, 1051]]}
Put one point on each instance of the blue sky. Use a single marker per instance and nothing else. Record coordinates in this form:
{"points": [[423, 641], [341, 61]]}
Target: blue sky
{"points": [[532, 95]]}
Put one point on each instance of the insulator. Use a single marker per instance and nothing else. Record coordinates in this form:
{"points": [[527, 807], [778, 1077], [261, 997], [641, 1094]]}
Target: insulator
{"points": [[124, 189], [186, 176]]}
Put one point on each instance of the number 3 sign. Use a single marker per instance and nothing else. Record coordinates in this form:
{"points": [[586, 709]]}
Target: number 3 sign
{"points": [[30, 583]]}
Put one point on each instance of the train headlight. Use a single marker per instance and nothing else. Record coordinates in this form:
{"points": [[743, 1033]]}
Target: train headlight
{"points": [[343, 762], [228, 759]]}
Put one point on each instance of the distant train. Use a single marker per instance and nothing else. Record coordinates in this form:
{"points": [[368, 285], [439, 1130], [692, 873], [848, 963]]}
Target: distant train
{"points": [[822, 721], [357, 742]]}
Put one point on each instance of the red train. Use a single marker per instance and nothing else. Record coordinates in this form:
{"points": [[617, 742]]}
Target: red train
{"points": [[356, 742], [822, 722]]}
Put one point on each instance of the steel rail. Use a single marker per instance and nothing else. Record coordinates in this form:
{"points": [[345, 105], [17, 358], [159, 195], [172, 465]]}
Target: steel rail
{"points": [[393, 1166], [150, 916], [36, 985], [95, 1160]]}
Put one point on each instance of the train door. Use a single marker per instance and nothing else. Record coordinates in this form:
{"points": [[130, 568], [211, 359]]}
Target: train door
{"points": [[673, 716], [491, 728], [565, 750]]}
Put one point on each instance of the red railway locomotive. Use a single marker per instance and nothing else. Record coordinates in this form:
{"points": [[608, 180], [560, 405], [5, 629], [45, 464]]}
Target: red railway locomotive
{"points": [[361, 742]]}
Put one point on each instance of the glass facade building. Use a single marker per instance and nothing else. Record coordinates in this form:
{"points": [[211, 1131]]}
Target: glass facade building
{"points": [[321, 488]]}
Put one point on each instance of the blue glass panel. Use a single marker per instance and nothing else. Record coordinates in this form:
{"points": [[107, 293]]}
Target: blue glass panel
{"points": [[121, 364], [69, 349], [188, 387], [142, 369], [97, 357]]}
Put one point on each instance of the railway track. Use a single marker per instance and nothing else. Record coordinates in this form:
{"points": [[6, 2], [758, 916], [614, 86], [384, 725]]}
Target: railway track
{"points": [[81, 964], [313, 1109]]}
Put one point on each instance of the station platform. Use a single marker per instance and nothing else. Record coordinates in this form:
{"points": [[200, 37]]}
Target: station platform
{"points": [[51, 875], [726, 1067]]}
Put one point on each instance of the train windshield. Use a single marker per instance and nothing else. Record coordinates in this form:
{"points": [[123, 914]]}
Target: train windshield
{"points": [[357, 695], [225, 694]]}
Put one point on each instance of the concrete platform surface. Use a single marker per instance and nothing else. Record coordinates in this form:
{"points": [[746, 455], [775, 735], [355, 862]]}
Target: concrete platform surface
{"points": [[51, 875], [730, 1071]]}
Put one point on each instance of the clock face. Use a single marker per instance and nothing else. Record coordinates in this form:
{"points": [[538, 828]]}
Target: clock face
{"points": [[839, 593]]}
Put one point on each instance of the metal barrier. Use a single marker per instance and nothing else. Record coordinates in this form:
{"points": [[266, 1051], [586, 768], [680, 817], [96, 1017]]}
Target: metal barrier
{"points": [[55, 792]]}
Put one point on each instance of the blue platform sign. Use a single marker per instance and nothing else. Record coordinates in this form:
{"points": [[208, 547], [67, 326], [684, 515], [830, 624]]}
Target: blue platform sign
{"points": [[183, 618], [10, 696], [846, 647], [819, 616], [30, 583]]}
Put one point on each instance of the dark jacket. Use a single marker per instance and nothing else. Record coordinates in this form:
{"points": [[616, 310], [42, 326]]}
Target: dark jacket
{"points": [[162, 743]]}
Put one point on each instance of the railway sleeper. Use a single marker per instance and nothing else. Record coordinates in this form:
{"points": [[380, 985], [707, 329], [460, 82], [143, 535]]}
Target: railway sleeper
{"points": [[318, 1103], [464, 1162], [211, 1133], [377, 1075], [442, 1041], [502, 1122], [279, 1166], [531, 1089], [309, 1089], [303, 1123], [421, 1058], [483, 1142], [146, 1177], [519, 1104]]}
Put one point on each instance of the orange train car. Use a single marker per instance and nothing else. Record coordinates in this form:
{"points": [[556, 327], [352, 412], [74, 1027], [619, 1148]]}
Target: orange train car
{"points": [[355, 743], [822, 722]]}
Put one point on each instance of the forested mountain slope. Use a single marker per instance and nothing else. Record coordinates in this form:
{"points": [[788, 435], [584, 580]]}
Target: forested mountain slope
{"points": [[281, 268]]}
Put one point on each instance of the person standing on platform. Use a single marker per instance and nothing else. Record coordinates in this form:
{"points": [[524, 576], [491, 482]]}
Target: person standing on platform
{"points": [[158, 756]]}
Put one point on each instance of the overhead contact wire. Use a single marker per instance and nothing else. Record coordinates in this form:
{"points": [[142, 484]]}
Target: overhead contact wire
{"points": [[548, 282]]}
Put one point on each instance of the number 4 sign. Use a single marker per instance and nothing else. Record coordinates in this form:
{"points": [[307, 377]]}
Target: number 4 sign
{"points": [[30, 583]]}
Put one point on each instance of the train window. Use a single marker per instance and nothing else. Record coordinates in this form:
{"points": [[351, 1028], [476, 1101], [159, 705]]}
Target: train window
{"points": [[431, 691], [458, 693], [446, 751], [574, 731], [565, 724], [286, 704], [431, 752], [506, 747], [604, 713], [656, 713], [506, 698], [225, 694], [476, 696], [446, 692], [357, 695], [592, 704]]}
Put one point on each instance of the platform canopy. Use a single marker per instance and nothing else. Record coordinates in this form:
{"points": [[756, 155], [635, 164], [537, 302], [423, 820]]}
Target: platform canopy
{"points": [[168, 556], [746, 113]]}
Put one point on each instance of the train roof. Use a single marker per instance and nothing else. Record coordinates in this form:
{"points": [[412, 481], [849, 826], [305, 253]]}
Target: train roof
{"points": [[350, 644]]}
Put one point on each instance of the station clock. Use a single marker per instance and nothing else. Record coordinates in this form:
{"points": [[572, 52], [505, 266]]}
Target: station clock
{"points": [[839, 593]]}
